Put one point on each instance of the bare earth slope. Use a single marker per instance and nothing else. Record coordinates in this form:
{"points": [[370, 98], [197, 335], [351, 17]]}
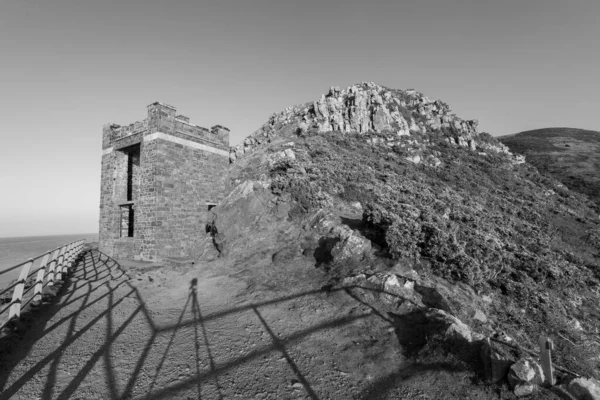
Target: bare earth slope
{"points": [[571, 156]]}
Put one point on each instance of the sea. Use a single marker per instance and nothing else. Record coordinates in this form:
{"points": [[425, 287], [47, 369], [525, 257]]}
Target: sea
{"points": [[15, 250]]}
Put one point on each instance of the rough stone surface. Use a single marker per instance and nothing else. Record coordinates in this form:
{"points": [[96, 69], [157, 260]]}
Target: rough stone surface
{"points": [[367, 107], [251, 218], [525, 371], [454, 329], [585, 389], [351, 244], [524, 390]]}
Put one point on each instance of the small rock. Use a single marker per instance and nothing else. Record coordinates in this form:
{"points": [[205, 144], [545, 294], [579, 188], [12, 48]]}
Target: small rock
{"points": [[354, 280], [585, 389], [526, 371], [289, 153], [480, 316], [524, 390], [357, 205], [296, 384], [351, 245], [577, 325], [455, 329], [414, 159]]}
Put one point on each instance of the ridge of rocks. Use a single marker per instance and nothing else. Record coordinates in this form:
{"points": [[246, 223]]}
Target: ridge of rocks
{"points": [[368, 107]]}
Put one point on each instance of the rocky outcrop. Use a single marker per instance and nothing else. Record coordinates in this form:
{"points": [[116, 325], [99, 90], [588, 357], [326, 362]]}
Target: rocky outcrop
{"points": [[368, 107], [250, 217]]}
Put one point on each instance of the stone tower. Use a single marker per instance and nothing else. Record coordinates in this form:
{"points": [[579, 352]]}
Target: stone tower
{"points": [[160, 177]]}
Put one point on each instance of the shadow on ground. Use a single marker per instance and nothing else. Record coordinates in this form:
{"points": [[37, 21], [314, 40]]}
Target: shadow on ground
{"points": [[97, 287]]}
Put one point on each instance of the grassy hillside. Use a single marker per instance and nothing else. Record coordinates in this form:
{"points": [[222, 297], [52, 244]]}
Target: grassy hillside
{"points": [[480, 219], [572, 156], [424, 208]]}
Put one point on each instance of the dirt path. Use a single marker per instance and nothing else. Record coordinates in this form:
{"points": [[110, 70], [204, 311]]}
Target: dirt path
{"points": [[168, 334]]}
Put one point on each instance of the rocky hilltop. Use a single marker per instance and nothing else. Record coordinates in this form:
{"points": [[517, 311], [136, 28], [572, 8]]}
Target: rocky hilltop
{"points": [[366, 108], [461, 246]]}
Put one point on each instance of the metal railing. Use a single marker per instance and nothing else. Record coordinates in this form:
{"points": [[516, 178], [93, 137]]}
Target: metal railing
{"points": [[49, 269]]}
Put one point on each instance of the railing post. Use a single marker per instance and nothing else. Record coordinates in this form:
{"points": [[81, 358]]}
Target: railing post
{"points": [[79, 248], [39, 281], [546, 347], [67, 259], [15, 305], [76, 251], [52, 267], [59, 263], [74, 254]]}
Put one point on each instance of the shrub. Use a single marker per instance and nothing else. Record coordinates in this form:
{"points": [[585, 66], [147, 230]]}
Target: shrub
{"points": [[402, 238]]}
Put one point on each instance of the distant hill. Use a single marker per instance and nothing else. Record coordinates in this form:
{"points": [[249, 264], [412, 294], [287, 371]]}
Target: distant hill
{"points": [[569, 155]]}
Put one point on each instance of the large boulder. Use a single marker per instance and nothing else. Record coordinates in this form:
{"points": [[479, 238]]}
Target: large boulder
{"points": [[250, 217]]}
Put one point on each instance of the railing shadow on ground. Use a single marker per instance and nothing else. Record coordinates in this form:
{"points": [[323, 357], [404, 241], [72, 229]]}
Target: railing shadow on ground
{"points": [[96, 266]]}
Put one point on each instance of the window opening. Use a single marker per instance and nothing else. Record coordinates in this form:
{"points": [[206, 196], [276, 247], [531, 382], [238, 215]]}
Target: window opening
{"points": [[133, 161], [127, 220]]}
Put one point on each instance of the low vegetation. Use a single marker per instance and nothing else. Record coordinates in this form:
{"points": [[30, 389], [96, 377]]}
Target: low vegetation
{"points": [[479, 218], [571, 156]]}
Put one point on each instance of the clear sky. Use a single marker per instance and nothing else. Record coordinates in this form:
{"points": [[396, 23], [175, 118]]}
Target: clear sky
{"points": [[69, 66]]}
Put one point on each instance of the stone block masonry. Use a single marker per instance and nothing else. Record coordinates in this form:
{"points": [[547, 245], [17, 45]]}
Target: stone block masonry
{"points": [[160, 176]]}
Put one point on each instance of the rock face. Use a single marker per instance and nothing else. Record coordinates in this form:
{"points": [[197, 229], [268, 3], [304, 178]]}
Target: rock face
{"points": [[249, 217], [367, 107]]}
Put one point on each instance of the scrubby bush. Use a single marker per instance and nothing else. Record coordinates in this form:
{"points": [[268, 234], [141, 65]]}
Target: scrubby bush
{"points": [[291, 183], [480, 220], [402, 238]]}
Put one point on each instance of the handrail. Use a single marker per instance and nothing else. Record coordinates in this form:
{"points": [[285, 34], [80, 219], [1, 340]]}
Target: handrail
{"points": [[53, 265]]}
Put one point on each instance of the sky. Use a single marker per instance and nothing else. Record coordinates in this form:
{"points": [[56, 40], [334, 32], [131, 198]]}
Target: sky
{"points": [[67, 67]]}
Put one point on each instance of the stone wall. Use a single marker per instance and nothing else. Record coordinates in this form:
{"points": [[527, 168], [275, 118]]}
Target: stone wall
{"points": [[187, 180], [179, 171]]}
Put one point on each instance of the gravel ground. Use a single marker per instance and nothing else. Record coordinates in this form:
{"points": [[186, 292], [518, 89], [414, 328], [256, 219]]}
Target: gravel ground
{"points": [[169, 333]]}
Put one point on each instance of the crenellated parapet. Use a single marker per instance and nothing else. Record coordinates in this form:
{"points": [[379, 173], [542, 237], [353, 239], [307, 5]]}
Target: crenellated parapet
{"points": [[163, 118]]}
